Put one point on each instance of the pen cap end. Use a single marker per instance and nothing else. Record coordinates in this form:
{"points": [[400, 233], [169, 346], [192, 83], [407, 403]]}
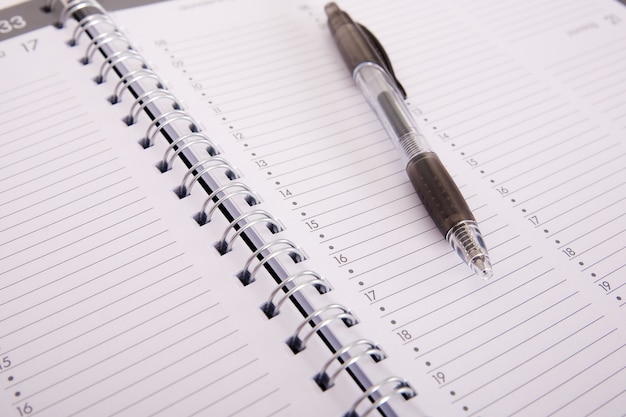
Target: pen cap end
{"points": [[331, 8], [336, 17]]}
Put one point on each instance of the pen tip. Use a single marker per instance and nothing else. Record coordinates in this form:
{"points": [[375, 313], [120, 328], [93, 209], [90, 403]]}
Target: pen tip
{"points": [[482, 267]]}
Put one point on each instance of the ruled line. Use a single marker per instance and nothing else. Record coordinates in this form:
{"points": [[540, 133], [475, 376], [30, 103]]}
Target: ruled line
{"points": [[572, 378], [83, 237], [98, 190], [135, 260], [478, 307], [48, 185], [502, 333], [30, 83], [67, 154], [518, 366], [56, 147], [40, 98], [86, 252], [91, 329], [200, 369], [22, 139], [119, 352], [65, 231], [544, 372], [73, 243], [525, 362], [234, 392]]}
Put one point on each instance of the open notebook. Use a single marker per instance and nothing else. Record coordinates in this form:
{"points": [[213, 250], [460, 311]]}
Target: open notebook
{"points": [[201, 216]]}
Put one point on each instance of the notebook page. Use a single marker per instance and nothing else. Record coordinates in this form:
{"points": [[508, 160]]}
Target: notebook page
{"points": [[540, 167], [114, 302]]}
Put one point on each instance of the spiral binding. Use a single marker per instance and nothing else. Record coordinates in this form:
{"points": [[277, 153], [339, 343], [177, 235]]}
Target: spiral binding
{"points": [[199, 168], [159, 123], [102, 40], [90, 21], [240, 188], [266, 254], [325, 381], [115, 59], [225, 244], [400, 387], [297, 344], [297, 255], [145, 99], [72, 7], [272, 309], [132, 77], [180, 144]]}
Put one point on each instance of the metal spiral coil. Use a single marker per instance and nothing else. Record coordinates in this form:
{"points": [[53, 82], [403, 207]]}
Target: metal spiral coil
{"points": [[271, 309], [202, 167], [240, 188], [132, 77], [163, 120], [225, 244], [145, 99], [326, 381], [71, 7], [183, 142], [399, 387], [298, 344], [101, 40], [88, 22], [247, 276], [116, 58]]}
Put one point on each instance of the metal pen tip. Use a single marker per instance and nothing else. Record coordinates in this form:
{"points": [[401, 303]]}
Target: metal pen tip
{"points": [[482, 267]]}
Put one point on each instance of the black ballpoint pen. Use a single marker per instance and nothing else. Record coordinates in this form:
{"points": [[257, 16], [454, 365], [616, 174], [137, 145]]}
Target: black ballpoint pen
{"points": [[372, 72]]}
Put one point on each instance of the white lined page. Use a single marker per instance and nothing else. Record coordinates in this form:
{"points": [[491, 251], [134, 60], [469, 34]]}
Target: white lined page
{"points": [[541, 173], [107, 309]]}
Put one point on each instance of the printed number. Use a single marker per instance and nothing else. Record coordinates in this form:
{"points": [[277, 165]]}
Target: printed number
{"points": [[312, 224], [6, 363], [14, 23], [30, 46], [443, 136], [569, 252], [502, 190], [177, 63], [285, 193], [534, 220], [160, 42], [371, 295], [238, 136], [613, 19], [197, 86], [404, 335], [472, 162], [25, 410], [440, 377], [261, 163], [605, 286], [341, 259]]}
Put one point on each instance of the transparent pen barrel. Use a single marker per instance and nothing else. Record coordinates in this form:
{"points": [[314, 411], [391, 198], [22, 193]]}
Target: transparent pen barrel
{"points": [[391, 110]]}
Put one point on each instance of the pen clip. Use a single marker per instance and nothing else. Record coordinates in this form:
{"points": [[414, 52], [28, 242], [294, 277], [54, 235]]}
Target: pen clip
{"points": [[386, 62]]}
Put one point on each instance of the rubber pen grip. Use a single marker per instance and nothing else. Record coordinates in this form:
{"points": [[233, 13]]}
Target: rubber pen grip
{"points": [[438, 192]]}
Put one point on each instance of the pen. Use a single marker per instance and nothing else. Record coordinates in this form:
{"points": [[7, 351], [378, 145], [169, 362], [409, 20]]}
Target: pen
{"points": [[373, 74]]}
